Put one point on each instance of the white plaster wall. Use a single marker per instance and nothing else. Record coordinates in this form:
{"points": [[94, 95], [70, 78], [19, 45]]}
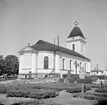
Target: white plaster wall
{"points": [[57, 63], [73, 58], [41, 55], [34, 62], [25, 64]]}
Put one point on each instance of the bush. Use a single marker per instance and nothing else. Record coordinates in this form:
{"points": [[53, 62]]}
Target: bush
{"points": [[74, 90], [101, 91], [31, 93], [100, 94], [86, 80], [35, 102], [3, 89]]}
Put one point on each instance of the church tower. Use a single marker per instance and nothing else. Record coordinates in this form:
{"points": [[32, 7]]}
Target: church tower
{"points": [[76, 40]]}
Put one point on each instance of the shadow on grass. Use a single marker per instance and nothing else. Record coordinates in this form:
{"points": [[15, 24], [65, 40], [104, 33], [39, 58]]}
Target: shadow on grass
{"points": [[102, 102]]}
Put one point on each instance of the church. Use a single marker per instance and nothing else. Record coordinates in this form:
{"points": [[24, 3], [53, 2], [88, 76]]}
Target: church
{"points": [[45, 58]]}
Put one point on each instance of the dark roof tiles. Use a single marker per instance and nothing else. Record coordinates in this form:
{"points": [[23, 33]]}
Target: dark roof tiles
{"points": [[76, 31], [43, 45]]}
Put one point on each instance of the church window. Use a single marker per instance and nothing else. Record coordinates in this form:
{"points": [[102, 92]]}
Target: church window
{"points": [[75, 67], [85, 66], [46, 61], [70, 64], [80, 64], [63, 63], [82, 47], [73, 47]]}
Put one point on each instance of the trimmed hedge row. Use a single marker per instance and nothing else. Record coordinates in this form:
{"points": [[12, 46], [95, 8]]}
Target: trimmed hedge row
{"points": [[101, 91], [91, 97], [35, 102], [78, 89], [29, 93], [74, 90]]}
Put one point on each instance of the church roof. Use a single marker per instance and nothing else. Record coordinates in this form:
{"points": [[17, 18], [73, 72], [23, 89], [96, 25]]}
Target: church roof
{"points": [[43, 45], [76, 31], [97, 70]]}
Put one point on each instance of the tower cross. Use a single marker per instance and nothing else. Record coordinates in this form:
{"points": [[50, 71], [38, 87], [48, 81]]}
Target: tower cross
{"points": [[76, 23]]}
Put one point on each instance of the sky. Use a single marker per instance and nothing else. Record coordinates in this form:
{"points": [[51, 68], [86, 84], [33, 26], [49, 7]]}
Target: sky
{"points": [[24, 21]]}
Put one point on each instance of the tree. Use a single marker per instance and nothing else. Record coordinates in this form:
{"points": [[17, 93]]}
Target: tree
{"points": [[11, 65], [2, 65]]}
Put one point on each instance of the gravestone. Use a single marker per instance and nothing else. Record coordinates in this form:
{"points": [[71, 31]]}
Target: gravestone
{"points": [[101, 85], [30, 74], [82, 73], [66, 80], [83, 88]]}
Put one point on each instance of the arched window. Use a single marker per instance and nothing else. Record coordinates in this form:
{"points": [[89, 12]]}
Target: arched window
{"points": [[82, 47], [80, 64], [73, 47], [63, 63], [85, 66], [70, 64], [46, 61], [75, 67]]}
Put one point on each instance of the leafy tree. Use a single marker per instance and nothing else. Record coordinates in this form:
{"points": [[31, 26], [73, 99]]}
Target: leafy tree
{"points": [[2, 65], [11, 65]]}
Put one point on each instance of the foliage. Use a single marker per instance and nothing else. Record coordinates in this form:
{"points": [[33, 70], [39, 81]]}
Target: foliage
{"points": [[3, 89], [11, 64], [34, 102], [74, 90], [32, 93], [86, 80], [101, 91], [2, 65]]}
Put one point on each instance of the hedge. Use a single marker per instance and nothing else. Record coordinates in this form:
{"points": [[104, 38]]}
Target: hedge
{"points": [[35, 102], [86, 80], [101, 91], [78, 89], [3, 89], [31, 93], [74, 90]]}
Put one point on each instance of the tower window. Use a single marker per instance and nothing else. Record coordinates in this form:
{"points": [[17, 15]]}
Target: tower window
{"points": [[70, 64], [73, 47], [46, 61], [63, 63]]}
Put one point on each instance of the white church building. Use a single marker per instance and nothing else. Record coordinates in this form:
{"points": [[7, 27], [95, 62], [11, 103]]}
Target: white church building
{"points": [[45, 58]]}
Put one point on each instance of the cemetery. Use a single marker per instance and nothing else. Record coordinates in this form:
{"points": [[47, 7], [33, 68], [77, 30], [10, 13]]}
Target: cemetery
{"points": [[54, 90]]}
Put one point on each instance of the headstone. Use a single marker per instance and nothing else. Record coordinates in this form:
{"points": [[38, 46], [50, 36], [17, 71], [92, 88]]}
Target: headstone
{"points": [[101, 85], [83, 88], [82, 73], [30, 74], [66, 81]]}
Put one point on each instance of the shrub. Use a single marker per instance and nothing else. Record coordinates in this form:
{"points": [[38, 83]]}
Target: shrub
{"points": [[31, 93], [74, 90], [35, 102], [101, 91], [86, 80], [3, 88], [61, 80], [100, 94]]}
